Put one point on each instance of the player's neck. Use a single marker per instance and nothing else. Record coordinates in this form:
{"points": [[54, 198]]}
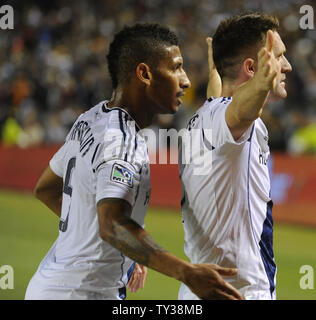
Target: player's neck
{"points": [[229, 86], [130, 101], [227, 89]]}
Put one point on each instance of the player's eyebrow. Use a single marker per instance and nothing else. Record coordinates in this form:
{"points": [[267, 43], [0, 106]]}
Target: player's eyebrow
{"points": [[177, 62]]}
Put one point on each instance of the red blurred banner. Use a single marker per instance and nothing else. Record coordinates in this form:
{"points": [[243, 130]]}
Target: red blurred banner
{"points": [[293, 181]]}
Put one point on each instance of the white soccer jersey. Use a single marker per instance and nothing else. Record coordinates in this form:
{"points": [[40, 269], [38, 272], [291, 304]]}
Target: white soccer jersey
{"points": [[104, 156], [227, 213]]}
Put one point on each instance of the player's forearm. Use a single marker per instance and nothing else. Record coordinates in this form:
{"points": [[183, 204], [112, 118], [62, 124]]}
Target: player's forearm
{"points": [[246, 107], [132, 240], [214, 86], [249, 101]]}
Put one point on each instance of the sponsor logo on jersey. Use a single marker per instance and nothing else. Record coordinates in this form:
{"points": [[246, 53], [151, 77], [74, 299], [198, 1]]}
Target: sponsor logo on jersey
{"points": [[263, 157], [122, 175]]}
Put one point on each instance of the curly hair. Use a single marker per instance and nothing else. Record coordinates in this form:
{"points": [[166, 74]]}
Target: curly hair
{"points": [[142, 42], [238, 38]]}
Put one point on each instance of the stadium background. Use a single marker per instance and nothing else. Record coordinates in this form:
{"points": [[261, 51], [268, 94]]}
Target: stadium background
{"points": [[53, 67]]}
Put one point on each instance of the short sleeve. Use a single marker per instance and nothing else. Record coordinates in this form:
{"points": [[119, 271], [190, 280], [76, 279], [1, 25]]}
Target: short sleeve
{"points": [[221, 134], [57, 161], [117, 179], [116, 168]]}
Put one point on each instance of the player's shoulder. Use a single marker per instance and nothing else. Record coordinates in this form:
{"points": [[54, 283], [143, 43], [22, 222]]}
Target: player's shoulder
{"points": [[119, 118], [107, 121], [212, 104], [119, 136], [87, 118], [119, 125], [206, 111], [93, 113]]}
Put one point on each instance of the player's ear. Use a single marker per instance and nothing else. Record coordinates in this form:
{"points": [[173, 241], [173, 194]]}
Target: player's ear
{"points": [[249, 67], [143, 73]]}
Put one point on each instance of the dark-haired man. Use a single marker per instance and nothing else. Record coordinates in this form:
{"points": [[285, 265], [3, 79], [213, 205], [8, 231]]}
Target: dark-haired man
{"points": [[227, 212], [98, 183]]}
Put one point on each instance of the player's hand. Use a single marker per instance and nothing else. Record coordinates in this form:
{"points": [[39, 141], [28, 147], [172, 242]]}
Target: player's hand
{"points": [[269, 67], [138, 278], [207, 283], [214, 87]]}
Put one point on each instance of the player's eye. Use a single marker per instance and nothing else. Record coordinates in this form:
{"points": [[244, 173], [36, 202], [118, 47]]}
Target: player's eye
{"points": [[178, 66]]}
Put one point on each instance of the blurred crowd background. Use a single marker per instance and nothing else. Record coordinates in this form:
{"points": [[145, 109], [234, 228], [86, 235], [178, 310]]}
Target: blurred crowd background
{"points": [[53, 64]]}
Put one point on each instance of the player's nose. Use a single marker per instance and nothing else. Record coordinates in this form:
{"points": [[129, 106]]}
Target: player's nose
{"points": [[185, 83], [286, 66]]}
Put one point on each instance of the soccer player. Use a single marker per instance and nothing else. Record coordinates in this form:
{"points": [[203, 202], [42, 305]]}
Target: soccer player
{"points": [[98, 183], [226, 207]]}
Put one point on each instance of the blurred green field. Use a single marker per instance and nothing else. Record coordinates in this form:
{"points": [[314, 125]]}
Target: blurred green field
{"points": [[28, 229]]}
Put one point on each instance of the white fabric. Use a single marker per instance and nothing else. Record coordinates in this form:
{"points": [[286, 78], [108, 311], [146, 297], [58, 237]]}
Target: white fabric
{"points": [[224, 210], [80, 264]]}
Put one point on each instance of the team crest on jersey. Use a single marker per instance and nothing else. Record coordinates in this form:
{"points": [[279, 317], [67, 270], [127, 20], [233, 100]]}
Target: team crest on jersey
{"points": [[122, 175]]}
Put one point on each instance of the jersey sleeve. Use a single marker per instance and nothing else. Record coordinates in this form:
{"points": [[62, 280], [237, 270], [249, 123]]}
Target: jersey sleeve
{"points": [[117, 179], [57, 161], [117, 173], [221, 134]]}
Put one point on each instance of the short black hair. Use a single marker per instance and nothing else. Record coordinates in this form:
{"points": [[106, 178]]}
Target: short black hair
{"points": [[142, 42], [239, 37]]}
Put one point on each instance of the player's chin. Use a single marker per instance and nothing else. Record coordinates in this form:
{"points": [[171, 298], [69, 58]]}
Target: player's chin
{"points": [[169, 110], [173, 108], [281, 92]]}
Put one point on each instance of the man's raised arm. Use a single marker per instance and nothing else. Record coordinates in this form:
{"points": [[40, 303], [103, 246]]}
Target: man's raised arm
{"points": [[249, 99], [214, 85]]}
